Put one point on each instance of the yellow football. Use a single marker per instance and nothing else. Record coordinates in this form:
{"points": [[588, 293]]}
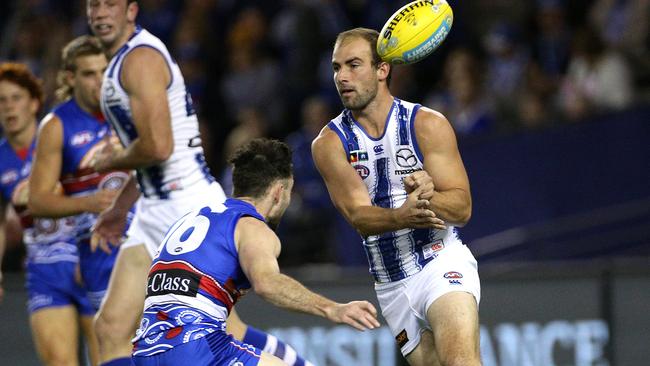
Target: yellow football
{"points": [[414, 31]]}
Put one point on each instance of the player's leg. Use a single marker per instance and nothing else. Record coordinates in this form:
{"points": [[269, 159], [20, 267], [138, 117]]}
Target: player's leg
{"points": [[86, 322], [55, 334], [118, 317], [264, 341], [454, 319], [425, 352]]}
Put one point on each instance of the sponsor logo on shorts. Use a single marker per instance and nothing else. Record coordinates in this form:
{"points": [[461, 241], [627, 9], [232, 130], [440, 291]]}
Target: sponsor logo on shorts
{"points": [[363, 171], [402, 338], [173, 281], [453, 274]]}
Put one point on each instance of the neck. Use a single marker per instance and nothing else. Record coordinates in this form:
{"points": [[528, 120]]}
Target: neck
{"points": [[130, 29], [262, 206], [24, 138], [92, 110], [373, 116]]}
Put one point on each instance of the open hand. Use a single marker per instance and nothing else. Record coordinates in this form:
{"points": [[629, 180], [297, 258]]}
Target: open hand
{"points": [[108, 228], [361, 315]]}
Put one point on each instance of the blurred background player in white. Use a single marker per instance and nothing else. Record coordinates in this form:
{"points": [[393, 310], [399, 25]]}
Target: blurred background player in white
{"points": [[57, 303], [393, 170], [145, 99], [214, 255], [67, 139]]}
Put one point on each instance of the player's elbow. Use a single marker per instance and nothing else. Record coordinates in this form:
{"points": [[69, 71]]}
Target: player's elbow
{"points": [[262, 287], [159, 153], [463, 215]]}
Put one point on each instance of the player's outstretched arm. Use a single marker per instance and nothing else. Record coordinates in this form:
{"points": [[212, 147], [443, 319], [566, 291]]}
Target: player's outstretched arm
{"points": [[145, 76], [451, 199], [44, 198], [351, 198], [258, 248]]}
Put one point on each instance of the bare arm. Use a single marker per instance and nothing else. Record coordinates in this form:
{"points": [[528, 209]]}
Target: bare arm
{"points": [[145, 76], [350, 195], [451, 200], [44, 200], [258, 248], [3, 240]]}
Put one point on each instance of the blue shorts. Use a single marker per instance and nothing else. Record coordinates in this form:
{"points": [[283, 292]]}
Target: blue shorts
{"points": [[214, 349], [53, 284], [96, 270]]}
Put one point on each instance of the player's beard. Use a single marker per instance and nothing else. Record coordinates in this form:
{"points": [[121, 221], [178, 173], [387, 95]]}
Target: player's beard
{"points": [[361, 100]]}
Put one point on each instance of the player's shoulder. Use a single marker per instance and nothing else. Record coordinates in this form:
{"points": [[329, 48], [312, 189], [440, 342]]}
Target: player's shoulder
{"points": [[428, 119], [328, 137]]}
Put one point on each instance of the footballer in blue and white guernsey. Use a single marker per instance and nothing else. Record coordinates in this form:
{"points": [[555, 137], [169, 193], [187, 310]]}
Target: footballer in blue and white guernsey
{"points": [[393, 170]]}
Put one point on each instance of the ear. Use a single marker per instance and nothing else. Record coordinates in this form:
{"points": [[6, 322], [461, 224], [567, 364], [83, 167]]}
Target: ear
{"points": [[276, 191], [34, 106], [132, 12], [383, 69], [68, 77]]}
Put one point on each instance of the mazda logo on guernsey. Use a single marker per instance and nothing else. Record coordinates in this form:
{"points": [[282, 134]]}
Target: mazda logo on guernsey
{"points": [[363, 171], [405, 158]]}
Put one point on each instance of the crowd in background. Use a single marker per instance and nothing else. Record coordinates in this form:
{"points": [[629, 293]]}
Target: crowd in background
{"points": [[263, 68]]}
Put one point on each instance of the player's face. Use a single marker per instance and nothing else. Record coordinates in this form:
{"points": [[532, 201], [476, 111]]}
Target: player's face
{"points": [[355, 74], [87, 80], [274, 217], [109, 20], [17, 108]]}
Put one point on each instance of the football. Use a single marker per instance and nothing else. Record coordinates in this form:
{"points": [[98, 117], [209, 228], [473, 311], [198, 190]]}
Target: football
{"points": [[414, 31]]}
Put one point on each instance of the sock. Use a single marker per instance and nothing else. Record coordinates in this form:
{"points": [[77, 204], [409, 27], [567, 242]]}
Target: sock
{"points": [[270, 344], [122, 361]]}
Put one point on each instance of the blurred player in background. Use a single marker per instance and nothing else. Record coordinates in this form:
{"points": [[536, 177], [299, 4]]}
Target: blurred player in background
{"points": [[214, 255], [57, 303], [393, 170], [68, 138], [145, 99]]}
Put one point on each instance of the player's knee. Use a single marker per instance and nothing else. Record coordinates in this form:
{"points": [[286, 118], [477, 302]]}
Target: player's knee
{"points": [[59, 357], [111, 328]]}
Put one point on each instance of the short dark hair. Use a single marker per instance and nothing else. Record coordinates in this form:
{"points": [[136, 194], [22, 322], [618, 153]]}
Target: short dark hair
{"points": [[81, 46], [21, 75], [369, 35], [259, 163]]}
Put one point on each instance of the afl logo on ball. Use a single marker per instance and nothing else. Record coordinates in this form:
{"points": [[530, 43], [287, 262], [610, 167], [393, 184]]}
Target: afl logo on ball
{"points": [[405, 158], [363, 171], [114, 180]]}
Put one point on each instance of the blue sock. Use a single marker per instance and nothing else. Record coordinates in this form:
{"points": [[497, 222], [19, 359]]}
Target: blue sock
{"points": [[274, 346], [123, 361]]}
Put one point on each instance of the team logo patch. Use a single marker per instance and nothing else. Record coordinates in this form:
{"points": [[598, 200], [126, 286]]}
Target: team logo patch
{"points": [[46, 226], [81, 138], [9, 177], [363, 171], [405, 158], [402, 338], [358, 155], [453, 274]]}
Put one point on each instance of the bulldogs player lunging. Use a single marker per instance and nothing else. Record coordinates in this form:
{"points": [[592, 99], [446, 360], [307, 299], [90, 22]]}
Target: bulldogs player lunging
{"points": [[213, 255]]}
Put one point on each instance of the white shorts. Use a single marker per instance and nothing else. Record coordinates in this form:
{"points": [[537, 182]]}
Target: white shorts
{"points": [[153, 217], [404, 303]]}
